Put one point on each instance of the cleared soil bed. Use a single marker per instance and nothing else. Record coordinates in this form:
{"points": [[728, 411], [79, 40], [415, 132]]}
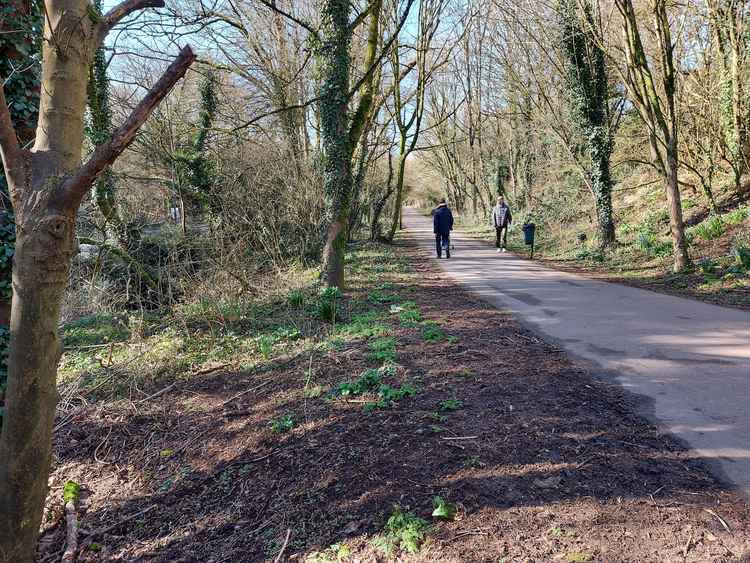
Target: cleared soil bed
{"points": [[542, 461]]}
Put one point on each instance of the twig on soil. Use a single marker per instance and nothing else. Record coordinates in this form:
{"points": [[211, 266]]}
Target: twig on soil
{"points": [[477, 532], [459, 437], [157, 394], [719, 518], [283, 547], [71, 541], [90, 535], [245, 392]]}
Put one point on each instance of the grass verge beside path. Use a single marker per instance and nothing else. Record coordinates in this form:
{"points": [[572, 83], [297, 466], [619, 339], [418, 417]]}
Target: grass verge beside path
{"points": [[719, 276], [404, 420]]}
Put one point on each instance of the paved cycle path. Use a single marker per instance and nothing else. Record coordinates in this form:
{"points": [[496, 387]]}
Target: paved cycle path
{"points": [[689, 361]]}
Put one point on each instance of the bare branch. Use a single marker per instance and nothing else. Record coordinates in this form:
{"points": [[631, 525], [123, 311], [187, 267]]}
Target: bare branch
{"points": [[271, 5], [10, 150], [77, 185], [123, 10]]}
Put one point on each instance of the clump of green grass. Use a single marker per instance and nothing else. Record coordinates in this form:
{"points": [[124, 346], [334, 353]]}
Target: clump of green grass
{"points": [[378, 296], [382, 350], [365, 325], [711, 229], [388, 396], [95, 329], [432, 332], [368, 381], [443, 509], [296, 299], [403, 531], [265, 346], [652, 245], [449, 405], [741, 250], [282, 425], [737, 216], [327, 306]]}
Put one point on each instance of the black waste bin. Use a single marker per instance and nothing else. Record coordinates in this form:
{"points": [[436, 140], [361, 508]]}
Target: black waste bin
{"points": [[528, 233]]}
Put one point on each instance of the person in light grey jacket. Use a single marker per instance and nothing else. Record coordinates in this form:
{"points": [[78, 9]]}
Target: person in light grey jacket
{"points": [[501, 219]]}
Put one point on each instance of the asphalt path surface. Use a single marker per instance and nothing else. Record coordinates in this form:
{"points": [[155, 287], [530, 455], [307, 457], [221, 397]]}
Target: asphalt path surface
{"points": [[689, 362]]}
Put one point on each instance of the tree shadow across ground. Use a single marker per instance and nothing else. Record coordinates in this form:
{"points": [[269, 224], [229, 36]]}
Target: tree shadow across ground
{"points": [[542, 460]]}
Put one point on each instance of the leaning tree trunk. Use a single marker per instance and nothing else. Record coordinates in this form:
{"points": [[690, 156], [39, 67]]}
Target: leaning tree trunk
{"points": [[47, 185]]}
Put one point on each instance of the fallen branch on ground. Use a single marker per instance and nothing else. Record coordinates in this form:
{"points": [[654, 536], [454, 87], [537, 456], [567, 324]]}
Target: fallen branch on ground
{"points": [[71, 541]]}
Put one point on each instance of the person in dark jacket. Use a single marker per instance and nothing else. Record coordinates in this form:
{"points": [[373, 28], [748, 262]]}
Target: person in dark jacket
{"points": [[442, 225], [501, 219]]}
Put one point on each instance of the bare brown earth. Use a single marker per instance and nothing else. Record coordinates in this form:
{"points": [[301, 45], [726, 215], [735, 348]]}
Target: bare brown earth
{"points": [[546, 463]]}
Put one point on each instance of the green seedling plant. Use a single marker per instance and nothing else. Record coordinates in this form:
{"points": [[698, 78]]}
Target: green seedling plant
{"points": [[388, 396], [327, 305], [265, 346], [368, 381], [432, 332], [403, 531], [296, 299], [71, 492], [282, 425], [449, 405], [443, 509], [382, 350]]}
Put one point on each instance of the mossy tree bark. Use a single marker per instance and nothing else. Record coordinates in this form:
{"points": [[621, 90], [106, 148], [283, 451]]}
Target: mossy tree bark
{"points": [[340, 135], [588, 93], [47, 184]]}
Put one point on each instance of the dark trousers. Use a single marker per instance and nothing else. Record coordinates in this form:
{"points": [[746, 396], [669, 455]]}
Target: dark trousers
{"points": [[442, 240], [501, 232]]}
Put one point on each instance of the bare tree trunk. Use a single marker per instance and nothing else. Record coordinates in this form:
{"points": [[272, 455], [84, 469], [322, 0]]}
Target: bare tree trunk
{"points": [[47, 185]]}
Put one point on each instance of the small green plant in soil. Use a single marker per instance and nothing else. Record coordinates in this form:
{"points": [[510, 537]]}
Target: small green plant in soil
{"points": [[437, 417], [296, 299], [388, 396], [431, 332], [282, 425], [265, 346], [368, 381], [382, 350], [707, 266], [449, 405], [403, 531], [472, 462], [712, 228], [365, 325], [741, 249], [71, 492], [410, 318], [443, 509], [327, 305]]}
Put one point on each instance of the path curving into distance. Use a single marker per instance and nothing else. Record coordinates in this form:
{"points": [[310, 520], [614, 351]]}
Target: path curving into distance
{"points": [[688, 361]]}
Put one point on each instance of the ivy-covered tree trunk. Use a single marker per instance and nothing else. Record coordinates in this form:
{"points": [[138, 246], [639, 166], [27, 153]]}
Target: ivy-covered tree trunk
{"points": [[99, 131], [47, 184], [334, 60], [588, 95], [20, 34], [339, 136]]}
